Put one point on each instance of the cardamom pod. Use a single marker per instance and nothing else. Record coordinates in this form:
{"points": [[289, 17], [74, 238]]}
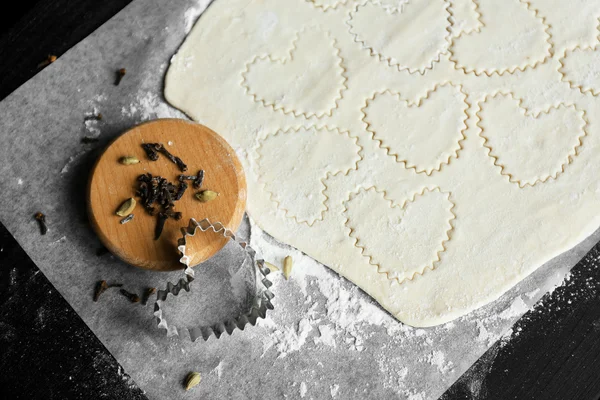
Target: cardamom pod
{"points": [[192, 380], [271, 266], [206, 196], [127, 207], [128, 160], [287, 267]]}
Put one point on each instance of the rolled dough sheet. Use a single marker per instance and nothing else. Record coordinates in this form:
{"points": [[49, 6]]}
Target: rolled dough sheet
{"points": [[434, 153]]}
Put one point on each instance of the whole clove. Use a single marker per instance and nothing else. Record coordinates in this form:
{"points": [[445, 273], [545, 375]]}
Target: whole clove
{"points": [[102, 286], [176, 160], [126, 219], [187, 178], [199, 179], [149, 292], [89, 139], [176, 215], [120, 74], [49, 60], [41, 219], [150, 151], [93, 117], [160, 224], [182, 188], [134, 298]]}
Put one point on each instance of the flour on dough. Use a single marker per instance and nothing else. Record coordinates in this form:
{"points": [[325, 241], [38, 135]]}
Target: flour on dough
{"points": [[434, 153]]}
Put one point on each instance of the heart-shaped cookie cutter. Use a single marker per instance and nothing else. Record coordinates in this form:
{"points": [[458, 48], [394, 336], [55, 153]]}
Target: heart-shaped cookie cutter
{"points": [[260, 304]]}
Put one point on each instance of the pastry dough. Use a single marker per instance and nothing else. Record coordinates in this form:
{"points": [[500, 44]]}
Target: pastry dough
{"points": [[434, 152]]}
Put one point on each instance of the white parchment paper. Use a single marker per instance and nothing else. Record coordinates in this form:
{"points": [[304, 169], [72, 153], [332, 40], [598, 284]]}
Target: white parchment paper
{"points": [[325, 339]]}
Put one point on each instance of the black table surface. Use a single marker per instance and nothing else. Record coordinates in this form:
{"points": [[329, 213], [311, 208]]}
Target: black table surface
{"points": [[556, 354]]}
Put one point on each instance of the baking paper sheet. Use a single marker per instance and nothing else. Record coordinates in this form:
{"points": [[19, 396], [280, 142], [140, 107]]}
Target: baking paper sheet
{"points": [[325, 338]]}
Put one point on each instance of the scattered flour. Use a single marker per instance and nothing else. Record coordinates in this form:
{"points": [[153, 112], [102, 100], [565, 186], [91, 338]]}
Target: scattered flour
{"points": [[147, 105], [333, 390], [91, 124], [437, 358], [331, 312], [63, 239], [516, 309], [71, 161], [303, 389], [218, 370], [290, 339], [327, 336], [191, 14]]}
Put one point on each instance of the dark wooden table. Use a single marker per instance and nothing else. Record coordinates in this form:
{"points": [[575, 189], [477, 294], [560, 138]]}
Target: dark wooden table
{"points": [[556, 354]]}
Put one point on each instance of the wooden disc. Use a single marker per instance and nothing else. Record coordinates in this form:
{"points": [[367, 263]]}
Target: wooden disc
{"points": [[111, 183]]}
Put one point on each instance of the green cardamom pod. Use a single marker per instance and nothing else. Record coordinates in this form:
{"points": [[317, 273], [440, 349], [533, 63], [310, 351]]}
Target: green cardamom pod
{"points": [[129, 160], [126, 208], [206, 195], [271, 266], [287, 267], [192, 380]]}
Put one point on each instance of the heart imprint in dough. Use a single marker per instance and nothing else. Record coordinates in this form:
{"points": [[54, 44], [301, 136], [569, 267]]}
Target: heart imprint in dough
{"points": [[419, 229], [512, 37], [530, 148], [580, 69], [424, 135], [294, 165], [411, 37], [309, 82], [465, 17], [327, 4]]}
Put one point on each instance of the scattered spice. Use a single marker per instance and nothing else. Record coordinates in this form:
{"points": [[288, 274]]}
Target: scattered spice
{"points": [[41, 219], [152, 149], [182, 188], [126, 219], [134, 298], [176, 215], [102, 286], [271, 266], [96, 117], [187, 178], [206, 195], [149, 292], [49, 60], [126, 208], [160, 224], [155, 190], [199, 179], [128, 160], [287, 267], [192, 380], [89, 139], [120, 74]]}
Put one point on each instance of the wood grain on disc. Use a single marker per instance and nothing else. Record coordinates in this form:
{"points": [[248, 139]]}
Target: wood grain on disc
{"points": [[111, 183]]}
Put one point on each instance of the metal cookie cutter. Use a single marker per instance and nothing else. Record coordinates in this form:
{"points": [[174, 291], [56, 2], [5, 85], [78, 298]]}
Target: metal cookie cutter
{"points": [[260, 304]]}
